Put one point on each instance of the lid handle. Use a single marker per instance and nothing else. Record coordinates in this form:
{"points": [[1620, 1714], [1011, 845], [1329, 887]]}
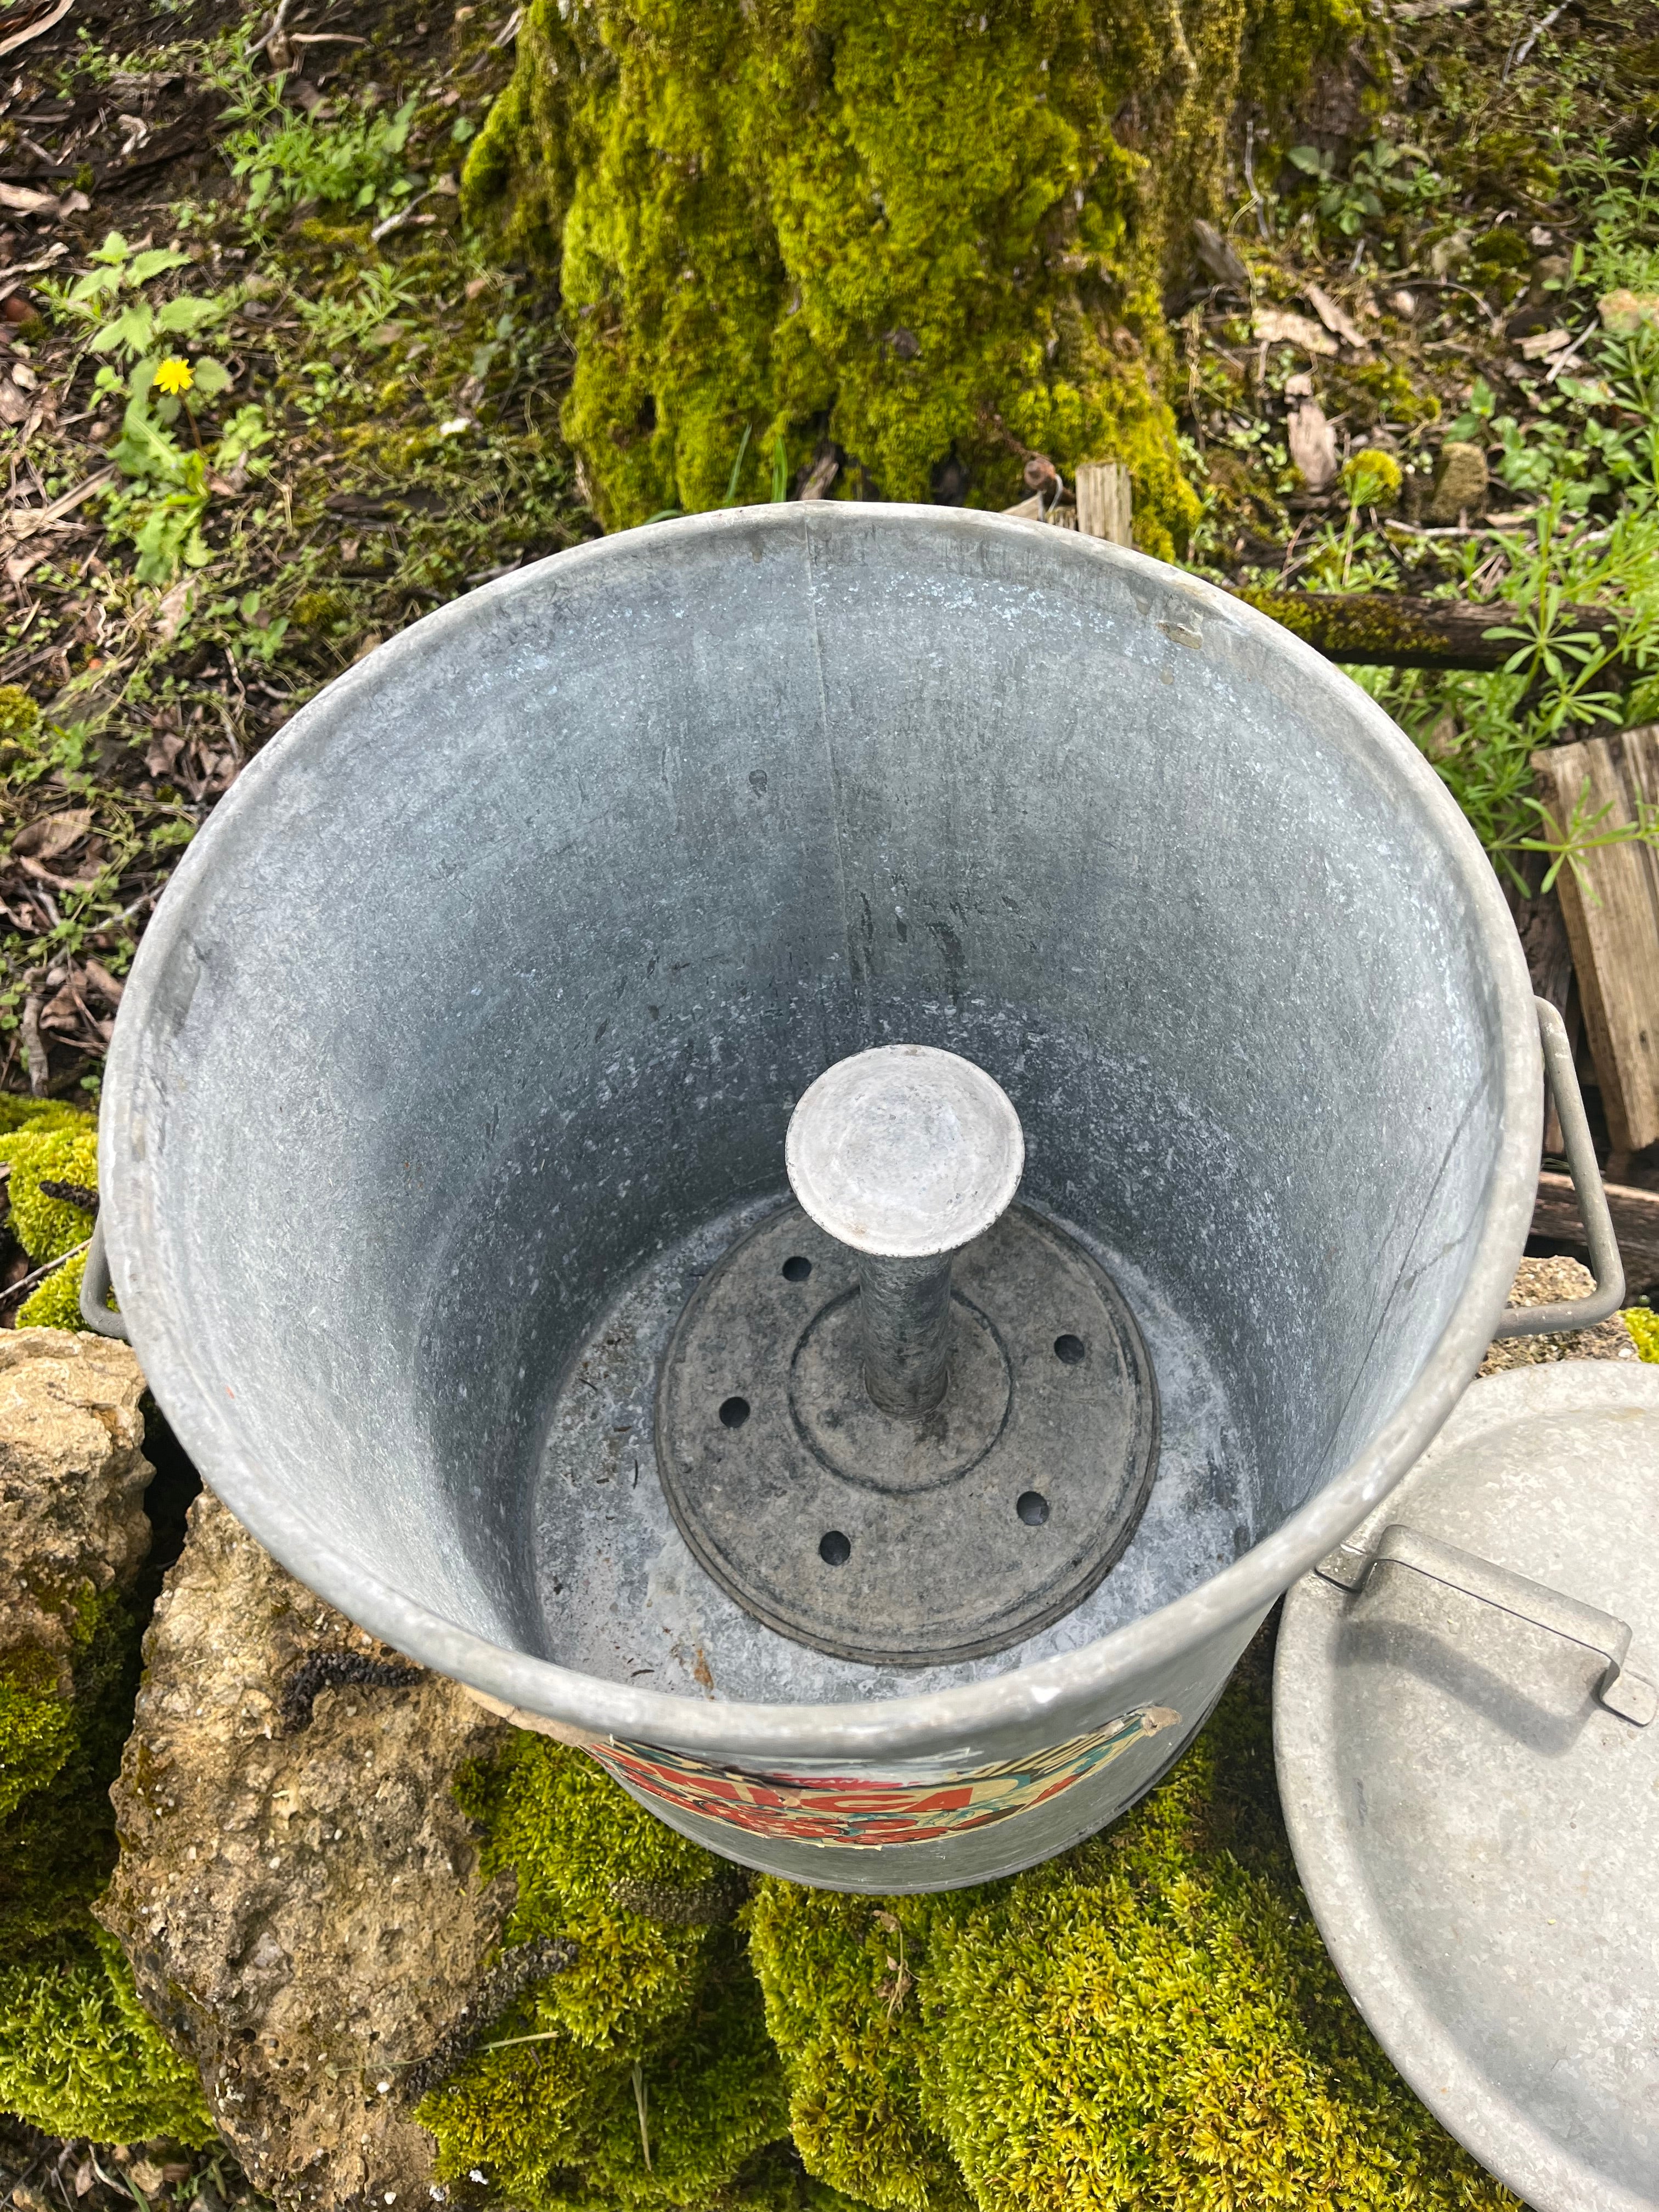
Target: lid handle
{"points": [[1624, 1689]]}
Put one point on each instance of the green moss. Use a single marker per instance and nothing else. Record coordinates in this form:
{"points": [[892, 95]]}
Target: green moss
{"points": [[547, 2108], [317, 610], [43, 1141], [57, 1841], [1505, 165], [20, 718], [66, 1151], [1362, 629], [78, 2054], [80, 2057], [1150, 2021], [1149, 2024], [57, 1304], [36, 1737], [1371, 391], [922, 236], [834, 1970], [568, 1834], [1643, 1325], [35, 1115]]}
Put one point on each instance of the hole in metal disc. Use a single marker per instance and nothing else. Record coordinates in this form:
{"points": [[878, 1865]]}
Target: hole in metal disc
{"points": [[834, 1550], [1070, 1351], [796, 1269], [1031, 1505], [735, 1412]]}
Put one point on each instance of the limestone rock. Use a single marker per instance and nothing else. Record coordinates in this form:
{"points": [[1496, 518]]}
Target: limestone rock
{"points": [[1459, 482], [1540, 1283], [297, 1890], [72, 1480], [1624, 311]]}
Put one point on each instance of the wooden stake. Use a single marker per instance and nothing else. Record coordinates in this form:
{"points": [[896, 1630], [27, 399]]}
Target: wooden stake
{"points": [[1613, 922], [1104, 501]]}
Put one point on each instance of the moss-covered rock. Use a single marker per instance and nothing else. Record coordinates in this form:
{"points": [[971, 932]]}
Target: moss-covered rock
{"points": [[77, 2055], [46, 1224], [57, 1303], [37, 1113], [925, 236], [47, 1144], [1150, 2021], [641, 2075], [20, 718]]}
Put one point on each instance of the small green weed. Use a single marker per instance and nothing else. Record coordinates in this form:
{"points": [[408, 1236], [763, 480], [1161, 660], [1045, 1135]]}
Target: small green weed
{"points": [[283, 160], [134, 336]]}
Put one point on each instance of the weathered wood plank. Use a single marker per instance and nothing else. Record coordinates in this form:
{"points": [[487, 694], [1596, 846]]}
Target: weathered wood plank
{"points": [[1612, 923], [1103, 501]]}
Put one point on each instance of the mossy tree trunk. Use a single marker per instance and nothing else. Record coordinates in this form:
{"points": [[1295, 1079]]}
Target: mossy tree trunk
{"points": [[936, 237]]}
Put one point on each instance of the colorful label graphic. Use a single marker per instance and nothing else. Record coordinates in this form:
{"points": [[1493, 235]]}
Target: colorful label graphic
{"points": [[874, 1807]]}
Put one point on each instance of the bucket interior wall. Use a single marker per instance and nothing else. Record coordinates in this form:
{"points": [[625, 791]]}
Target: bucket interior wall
{"points": [[506, 967]]}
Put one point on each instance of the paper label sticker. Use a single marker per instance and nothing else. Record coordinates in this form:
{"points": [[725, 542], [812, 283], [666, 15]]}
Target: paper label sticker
{"points": [[875, 1807]]}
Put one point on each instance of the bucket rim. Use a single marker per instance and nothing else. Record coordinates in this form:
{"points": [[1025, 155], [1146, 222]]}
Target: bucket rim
{"points": [[1065, 1693]]}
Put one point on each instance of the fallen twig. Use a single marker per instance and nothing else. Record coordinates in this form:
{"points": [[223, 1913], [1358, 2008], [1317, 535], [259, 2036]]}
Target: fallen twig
{"points": [[1570, 355], [396, 222], [24, 522], [38, 29], [1518, 52], [272, 30], [1386, 629], [50, 1267], [34, 1048]]}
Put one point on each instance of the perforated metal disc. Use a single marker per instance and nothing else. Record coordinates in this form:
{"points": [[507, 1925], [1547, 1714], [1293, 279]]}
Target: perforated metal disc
{"points": [[874, 1538]]}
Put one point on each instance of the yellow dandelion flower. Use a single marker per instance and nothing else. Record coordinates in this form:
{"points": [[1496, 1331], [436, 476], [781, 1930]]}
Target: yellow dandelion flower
{"points": [[174, 375]]}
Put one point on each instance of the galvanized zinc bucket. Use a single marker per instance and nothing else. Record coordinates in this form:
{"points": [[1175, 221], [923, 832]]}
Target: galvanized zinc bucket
{"points": [[456, 1067]]}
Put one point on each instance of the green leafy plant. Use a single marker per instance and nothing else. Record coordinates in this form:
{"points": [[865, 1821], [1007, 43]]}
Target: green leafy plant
{"points": [[111, 301], [129, 332], [345, 314], [1481, 731], [1585, 830], [1378, 173], [284, 161], [1620, 194]]}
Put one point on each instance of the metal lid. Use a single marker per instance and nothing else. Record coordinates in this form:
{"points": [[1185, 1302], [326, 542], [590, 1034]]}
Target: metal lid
{"points": [[1463, 1708]]}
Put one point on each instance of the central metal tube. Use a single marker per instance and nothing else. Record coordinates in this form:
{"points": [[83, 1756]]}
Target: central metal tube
{"points": [[905, 1153], [904, 1312]]}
